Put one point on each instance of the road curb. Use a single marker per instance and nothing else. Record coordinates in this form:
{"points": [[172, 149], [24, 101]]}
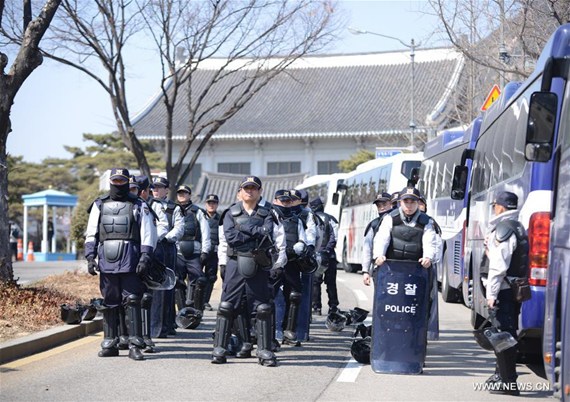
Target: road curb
{"points": [[41, 341]]}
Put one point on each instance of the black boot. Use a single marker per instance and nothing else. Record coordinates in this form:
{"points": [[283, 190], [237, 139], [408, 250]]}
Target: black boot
{"points": [[264, 336], [290, 332], [223, 332], [136, 342], [199, 292], [146, 302], [243, 335], [111, 333], [208, 294], [507, 364], [123, 331]]}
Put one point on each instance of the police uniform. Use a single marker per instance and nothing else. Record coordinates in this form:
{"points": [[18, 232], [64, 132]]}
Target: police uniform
{"points": [[246, 228], [211, 264], [170, 228], [120, 234], [507, 245], [326, 250], [370, 232], [402, 237], [290, 279], [193, 249]]}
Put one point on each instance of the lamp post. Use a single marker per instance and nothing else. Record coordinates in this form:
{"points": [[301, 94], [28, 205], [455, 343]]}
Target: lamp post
{"points": [[412, 46]]}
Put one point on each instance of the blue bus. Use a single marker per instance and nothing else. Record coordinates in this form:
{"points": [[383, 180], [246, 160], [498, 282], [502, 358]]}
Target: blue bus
{"points": [[500, 163], [441, 155], [548, 141]]}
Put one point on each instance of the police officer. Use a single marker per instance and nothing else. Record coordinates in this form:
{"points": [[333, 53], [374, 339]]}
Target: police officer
{"points": [[290, 279], [383, 203], [247, 226], [120, 235], [211, 265], [170, 230], [310, 220], [326, 250], [193, 248], [406, 233], [507, 251]]}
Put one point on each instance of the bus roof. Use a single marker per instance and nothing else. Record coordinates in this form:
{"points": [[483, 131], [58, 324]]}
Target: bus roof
{"points": [[319, 179], [371, 164], [445, 139]]}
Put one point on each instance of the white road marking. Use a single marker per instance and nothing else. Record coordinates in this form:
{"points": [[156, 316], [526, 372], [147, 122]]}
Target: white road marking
{"points": [[350, 372], [360, 295]]}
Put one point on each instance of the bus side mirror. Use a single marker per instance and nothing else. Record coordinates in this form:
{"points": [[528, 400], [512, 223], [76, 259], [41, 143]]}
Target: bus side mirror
{"points": [[335, 199], [414, 177], [540, 126], [459, 182]]}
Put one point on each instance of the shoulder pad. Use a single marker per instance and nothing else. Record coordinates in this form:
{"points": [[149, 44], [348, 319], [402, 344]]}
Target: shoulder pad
{"points": [[332, 218], [423, 219], [506, 228], [368, 227], [262, 211], [235, 209]]}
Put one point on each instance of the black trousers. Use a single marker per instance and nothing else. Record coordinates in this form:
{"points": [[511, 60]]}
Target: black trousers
{"points": [[329, 278]]}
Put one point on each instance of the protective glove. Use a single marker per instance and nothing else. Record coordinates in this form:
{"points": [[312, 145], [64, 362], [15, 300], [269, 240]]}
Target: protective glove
{"points": [[203, 258], [310, 249], [275, 273], [144, 264], [299, 248], [92, 266]]}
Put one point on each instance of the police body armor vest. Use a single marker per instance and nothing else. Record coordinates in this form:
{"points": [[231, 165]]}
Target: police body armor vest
{"points": [[406, 241], [117, 221], [327, 228], [214, 223], [241, 218], [291, 227], [168, 208], [191, 225], [519, 260]]}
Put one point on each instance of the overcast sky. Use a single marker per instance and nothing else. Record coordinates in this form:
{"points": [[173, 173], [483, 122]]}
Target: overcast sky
{"points": [[57, 105]]}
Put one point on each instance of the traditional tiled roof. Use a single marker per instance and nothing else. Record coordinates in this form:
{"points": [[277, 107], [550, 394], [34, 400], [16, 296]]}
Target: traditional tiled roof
{"points": [[225, 186], [324, 96]]}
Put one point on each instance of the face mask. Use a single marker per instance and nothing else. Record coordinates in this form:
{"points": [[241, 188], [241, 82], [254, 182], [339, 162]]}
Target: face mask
{"points": [[119, 192], [284, 211]]}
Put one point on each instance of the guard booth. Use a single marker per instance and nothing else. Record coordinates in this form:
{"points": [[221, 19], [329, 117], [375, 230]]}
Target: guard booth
{"points": [[61, 205]]}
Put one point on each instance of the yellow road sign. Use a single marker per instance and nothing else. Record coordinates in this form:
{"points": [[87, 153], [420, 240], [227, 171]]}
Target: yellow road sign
{"points": [[492, 97]]}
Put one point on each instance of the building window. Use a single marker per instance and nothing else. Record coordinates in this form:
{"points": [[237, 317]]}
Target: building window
{"points": [[274, 168], [235, 168], [327, 167]]}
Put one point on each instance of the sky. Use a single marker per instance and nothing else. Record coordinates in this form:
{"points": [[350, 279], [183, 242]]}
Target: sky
{"points": [[58, 104]]}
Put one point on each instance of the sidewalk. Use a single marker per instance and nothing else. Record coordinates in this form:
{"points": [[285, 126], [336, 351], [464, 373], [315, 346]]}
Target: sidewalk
{"points": [[41, 341]]}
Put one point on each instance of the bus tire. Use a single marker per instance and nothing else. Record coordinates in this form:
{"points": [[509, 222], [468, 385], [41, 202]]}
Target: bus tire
{"points": [[448, 294], [344, 263]]}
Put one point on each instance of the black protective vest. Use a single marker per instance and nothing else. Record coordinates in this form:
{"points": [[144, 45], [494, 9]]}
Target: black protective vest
{"points": [[117, 221], [291, 227], [519, 260], [257, 218], [327, 228], [168, 208], [192, 230], [374, 224], [406, 241], [214, 223]]}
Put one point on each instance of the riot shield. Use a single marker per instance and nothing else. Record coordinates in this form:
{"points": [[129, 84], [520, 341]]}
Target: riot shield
{"points": [[304, 318], [433, 320], [400, 314]]}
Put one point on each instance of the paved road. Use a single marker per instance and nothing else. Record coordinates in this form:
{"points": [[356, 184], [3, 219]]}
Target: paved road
{"points": [[29, 272], [321, 370]]}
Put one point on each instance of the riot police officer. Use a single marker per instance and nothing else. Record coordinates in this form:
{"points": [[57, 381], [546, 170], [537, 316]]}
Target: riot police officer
{"points": [[507, 251], [170, 230], [120, 235], [211, 264], [290, 279], [250, 230], [328, 258], [193, 248], [383, 203], [408, 235]]}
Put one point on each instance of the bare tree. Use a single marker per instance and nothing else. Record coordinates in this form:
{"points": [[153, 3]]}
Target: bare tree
{"points": [[28, 58], [94, 36], [500, 39]]}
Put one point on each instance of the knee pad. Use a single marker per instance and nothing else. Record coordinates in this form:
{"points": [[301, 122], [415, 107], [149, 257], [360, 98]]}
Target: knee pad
{"points": [[226, 309], [146, 300], [264, 311], [202, 282], [133, 300], [295, 297]]}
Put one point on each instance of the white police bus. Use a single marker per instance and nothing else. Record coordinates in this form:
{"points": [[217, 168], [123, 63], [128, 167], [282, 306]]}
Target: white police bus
{"points": [[325, 186], [358, 191]]}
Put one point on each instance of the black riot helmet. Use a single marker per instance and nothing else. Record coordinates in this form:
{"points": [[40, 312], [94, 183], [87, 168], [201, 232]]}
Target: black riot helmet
{"points": [[71, 315], [159, 276], [360, 350], [335, 321], [188, 318]]}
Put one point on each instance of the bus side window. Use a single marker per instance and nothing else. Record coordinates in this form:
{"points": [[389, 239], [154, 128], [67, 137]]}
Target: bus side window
{"points": [[540, 126], [459, 182]]}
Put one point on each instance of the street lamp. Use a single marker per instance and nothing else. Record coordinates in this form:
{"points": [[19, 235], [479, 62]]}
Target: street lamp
{"points": [[412, 46]]}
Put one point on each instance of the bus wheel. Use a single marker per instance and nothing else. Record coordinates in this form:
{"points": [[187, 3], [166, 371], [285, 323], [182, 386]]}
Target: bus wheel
{"points": [[345, 264], [448, 294]]}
